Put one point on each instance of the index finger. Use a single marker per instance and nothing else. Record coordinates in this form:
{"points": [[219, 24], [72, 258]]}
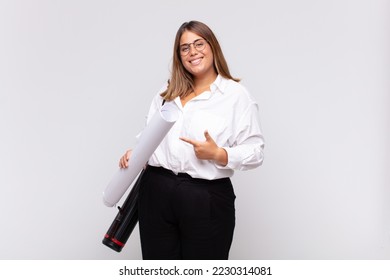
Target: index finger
{"points": [[189, 141]]}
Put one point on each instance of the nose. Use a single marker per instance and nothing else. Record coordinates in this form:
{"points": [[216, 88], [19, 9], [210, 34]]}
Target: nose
{"points": [[193, 50]]}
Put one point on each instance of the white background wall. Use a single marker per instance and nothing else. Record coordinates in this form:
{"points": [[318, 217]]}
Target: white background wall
{"points": [[76, 80]]}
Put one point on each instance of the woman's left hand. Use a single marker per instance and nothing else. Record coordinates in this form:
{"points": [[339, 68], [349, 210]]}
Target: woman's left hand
{"points": [[208, 150]]}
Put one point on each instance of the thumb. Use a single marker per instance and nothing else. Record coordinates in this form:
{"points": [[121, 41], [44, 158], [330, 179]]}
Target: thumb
{"points": [[207, 136]]}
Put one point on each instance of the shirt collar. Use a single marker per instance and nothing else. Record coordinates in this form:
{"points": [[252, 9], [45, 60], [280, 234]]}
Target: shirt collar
{"points": [[219, 83]]}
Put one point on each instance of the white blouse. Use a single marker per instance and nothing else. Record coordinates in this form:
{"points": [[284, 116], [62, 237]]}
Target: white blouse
{"points": [[230, 114]]}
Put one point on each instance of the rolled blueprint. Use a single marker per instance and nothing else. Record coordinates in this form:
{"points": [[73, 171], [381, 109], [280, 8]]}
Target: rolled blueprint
{"points": [[151, 137]]}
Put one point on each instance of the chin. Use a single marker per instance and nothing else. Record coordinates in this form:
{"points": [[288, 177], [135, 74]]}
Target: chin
{"points": [[194, 73]]}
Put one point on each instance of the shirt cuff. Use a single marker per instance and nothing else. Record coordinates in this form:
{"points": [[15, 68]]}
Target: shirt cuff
{"points": [[243, 157]]}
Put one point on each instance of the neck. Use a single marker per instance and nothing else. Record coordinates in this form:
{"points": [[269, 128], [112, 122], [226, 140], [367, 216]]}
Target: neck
{"points": [[204, 81]]}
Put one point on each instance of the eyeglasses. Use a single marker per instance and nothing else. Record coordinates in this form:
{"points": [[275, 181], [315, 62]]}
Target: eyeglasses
{"points": [[199, 45]]}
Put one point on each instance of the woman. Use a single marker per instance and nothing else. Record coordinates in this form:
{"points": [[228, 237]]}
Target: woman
{"points": [[186, 203]]}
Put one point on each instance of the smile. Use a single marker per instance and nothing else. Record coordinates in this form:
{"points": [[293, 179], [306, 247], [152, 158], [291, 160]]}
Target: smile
{"points": [[196, 61]]}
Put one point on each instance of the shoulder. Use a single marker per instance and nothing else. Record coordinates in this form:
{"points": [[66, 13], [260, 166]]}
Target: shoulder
{"points": [[238, 92], [157, 99]]}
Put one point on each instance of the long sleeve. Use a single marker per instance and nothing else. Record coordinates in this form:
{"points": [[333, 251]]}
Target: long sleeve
{"points": [[247, 142]]}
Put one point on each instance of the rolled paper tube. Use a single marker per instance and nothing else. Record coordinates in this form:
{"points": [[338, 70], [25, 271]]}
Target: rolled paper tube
{"points": [[151, 137], [125, 221]]}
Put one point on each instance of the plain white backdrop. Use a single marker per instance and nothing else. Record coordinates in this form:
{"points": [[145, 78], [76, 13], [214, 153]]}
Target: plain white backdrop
{"points": [[76, 80]]}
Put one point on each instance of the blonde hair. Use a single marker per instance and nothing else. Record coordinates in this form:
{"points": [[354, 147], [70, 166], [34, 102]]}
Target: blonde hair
{"points": [[181, 82]]}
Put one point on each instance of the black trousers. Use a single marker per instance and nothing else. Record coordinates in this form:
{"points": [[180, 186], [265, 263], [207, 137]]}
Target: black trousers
{"points": [[185, 218]]}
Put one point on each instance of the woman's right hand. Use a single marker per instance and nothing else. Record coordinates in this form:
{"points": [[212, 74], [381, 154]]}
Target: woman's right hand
{"points": [[124, 161]]}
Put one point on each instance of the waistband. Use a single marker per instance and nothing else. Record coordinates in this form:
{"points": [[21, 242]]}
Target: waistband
{"points": [[164, 171]]}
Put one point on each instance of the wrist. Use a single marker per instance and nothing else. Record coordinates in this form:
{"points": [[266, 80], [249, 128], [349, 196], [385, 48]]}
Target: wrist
{"points": [[221, 157]]}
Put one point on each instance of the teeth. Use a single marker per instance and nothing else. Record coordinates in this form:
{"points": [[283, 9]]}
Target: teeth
{"points": [[196, 61]]}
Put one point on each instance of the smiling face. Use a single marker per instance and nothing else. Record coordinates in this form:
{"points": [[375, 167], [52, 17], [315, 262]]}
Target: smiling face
{"points": [[199, 63]]}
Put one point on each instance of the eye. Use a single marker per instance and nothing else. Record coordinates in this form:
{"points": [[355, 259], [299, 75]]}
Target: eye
{"points": [[199, 44], [184, 48]]}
